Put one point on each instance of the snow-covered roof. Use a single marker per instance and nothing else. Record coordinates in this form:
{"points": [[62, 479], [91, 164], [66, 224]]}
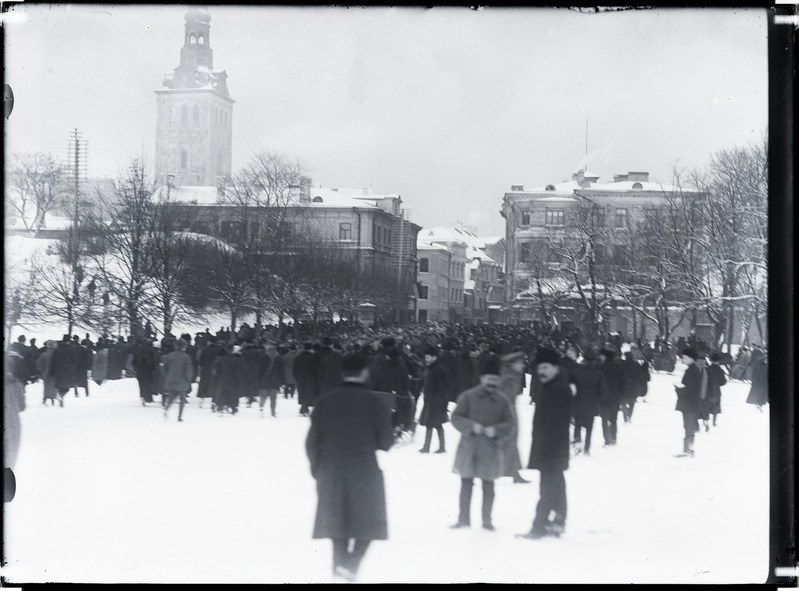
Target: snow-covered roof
{"points": [[203, 195], [346, 198], [426, 245]]}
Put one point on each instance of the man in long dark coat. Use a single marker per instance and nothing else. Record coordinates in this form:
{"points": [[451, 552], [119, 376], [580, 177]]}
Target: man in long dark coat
{"points": [[205, 361], [62, 368], [145, 362], [590, 388], [328, 367], [389, 374], [549, 452], [689, 400], [305, 373], [83, 364], [609, 407], [349, 424], [251, 356], [436, 397]]}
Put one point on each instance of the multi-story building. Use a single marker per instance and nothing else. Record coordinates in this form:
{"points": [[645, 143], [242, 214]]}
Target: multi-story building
{"points": [[542, 221], [458, 280]]}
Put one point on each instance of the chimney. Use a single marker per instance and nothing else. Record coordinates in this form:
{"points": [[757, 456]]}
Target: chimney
{"points": [[305, 189], [517, 187], [638, 176]]}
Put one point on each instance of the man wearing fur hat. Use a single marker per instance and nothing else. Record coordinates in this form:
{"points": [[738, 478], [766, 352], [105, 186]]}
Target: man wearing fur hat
{"points": [[689, 400], [486, 421], [549, 452]]}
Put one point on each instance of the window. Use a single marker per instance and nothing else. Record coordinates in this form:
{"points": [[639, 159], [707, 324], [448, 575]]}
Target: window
{"points": [[200, 227], [550, 187], [230, 230], [621, 255], [637, 186], [554, 217], [184, 114], [422, 315], [345, 231], [525, 218], [524, 252], [379, 235], [424, 265], [423, 292], [622, 218], [184, 159], [598, 216], [196, 115], [316, 199]]}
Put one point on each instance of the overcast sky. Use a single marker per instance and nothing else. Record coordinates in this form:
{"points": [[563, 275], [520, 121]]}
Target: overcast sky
{"points": [[447, 107]]}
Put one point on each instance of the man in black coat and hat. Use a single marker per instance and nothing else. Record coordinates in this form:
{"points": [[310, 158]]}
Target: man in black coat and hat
{"points": [[349, 424], [610, 406], [549, 452], [689, 400]]}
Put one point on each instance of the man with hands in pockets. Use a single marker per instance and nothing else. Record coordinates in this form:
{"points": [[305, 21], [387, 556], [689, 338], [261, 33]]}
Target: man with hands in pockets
{"points": [[485, 419]]}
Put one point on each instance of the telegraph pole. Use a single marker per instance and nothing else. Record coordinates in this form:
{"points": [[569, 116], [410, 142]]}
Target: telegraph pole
{"points": [[77, 156]]}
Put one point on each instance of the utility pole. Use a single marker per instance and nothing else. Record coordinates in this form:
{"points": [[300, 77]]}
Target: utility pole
{"points": [[77, 156]]}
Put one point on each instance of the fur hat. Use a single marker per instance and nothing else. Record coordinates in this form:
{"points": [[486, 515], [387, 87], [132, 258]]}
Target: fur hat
{"points": [[490, 365], [431, 350], [690, 352], [388, 342], [547, 356], [607, 352]]}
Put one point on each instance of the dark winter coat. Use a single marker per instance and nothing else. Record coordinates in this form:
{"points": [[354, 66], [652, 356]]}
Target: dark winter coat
{"points": [[436, 396], [145, 362], [636, 379], [288, 367], [329, 368], [116, 360], [178, 372], [43, 365], [62, 366], [271, 372], [716, 378], [83, 365], [511, 385], [251, 358], [689, 398], [758, 393], [481, 456], [228, 372], [466, 371], [389, 374], [447, 360], [614, 380], [305, 372], [206, 359], [348, 426], [549, 451], [590, 389]]}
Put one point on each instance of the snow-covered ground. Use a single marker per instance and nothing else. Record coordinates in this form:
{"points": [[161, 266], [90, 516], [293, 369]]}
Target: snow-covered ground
{"points": [[109, 491]]}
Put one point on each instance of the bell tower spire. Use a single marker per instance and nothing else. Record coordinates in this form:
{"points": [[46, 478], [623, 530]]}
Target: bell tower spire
{"points": [[194, 124]]}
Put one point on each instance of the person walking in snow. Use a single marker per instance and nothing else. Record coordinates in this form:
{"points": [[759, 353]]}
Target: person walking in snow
{"points": [[609, 407], [271, 375], [549, 452], [349, 424], [716, 378], [178, 377], [486, 421], [436, 398], [689, 400], [590, 388]]}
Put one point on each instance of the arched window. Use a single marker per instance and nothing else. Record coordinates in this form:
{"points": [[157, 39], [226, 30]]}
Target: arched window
{"points": [[196, 115], [184, 159], [550, 187], [184, 114], [201, 40], [317, 199], [192, 39], [637, 186]]}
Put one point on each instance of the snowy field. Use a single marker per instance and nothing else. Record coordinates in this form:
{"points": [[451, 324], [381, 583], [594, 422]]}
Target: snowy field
{"points": [[109, 491]]}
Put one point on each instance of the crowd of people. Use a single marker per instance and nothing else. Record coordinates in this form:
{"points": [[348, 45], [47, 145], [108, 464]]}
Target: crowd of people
{"points": [[426, 375]]}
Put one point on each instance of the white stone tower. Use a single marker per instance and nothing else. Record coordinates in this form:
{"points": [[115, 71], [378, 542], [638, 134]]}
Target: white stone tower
{"points": [[194, 128]]}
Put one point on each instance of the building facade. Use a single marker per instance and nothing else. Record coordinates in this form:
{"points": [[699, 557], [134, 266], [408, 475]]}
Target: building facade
{"points": [[612, 223], [194, 113], [458, 280]]}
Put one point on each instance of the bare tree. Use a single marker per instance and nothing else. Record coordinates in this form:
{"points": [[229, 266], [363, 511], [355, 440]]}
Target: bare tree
{"points": [[37, 184]]}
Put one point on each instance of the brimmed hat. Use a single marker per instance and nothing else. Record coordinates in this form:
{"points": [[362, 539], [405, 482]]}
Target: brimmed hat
{"points": [[547, 356]]}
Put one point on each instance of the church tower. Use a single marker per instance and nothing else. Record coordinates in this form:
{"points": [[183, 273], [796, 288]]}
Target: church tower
{"points": [[194, 128]]}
